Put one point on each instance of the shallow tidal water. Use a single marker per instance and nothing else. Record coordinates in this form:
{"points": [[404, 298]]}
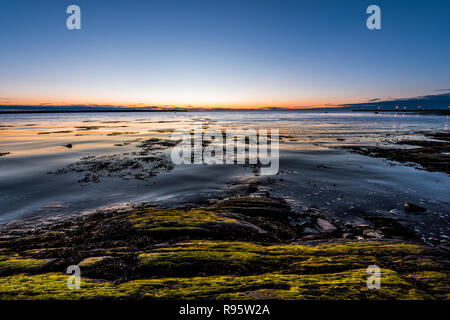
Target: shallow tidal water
{"points": [[314, 169]]}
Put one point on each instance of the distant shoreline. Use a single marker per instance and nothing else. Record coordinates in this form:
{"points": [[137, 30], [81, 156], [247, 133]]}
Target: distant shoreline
{"points": [[84, 111], [443, 112]]}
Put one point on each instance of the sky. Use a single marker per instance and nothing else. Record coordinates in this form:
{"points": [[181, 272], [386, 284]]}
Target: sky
{"points": [[216, 53]]}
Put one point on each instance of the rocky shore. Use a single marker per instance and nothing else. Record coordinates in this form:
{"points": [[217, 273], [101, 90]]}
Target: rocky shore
{"points": [[236, 248], [431, 153]]}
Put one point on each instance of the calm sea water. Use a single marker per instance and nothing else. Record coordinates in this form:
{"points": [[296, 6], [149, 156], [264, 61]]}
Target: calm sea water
{"points": [[314, 170]]}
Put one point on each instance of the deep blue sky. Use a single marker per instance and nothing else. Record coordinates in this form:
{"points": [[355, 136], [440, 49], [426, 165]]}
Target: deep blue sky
{"points": [[222, 53]]}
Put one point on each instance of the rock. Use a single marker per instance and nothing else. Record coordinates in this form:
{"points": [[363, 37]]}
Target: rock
{"points": [[92, 261], [361, 226], [300, 221], [121, 256], [68, 146], [255, 206], [325, 226], [372, 233], [310, 230], [51, 260], [394, 211], [312, 208], [391, 227], [411, 207]]}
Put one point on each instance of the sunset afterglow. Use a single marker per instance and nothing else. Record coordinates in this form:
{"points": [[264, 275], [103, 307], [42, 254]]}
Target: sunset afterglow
{"points": [[208, 54]]}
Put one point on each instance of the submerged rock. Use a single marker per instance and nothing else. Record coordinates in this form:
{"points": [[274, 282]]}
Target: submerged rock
{"points": [[309, 230], [144, 164], [256, 206], [411, 207], [431, 155]]}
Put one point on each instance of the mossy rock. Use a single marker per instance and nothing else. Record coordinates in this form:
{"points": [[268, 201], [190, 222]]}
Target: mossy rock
{"points": [[193, 224], [15, 263], [255, 206], [93, 261], [344, 285], [241, 248], [244, 270], [160, 218], [205, 257]]}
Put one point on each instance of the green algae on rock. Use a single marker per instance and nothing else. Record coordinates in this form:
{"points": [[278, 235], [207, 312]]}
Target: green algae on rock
{"points": [[164, 218], [238, 248], [16, 263], [344, 285]]}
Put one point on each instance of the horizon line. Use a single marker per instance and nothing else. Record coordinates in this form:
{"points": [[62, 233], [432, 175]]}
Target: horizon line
{"points": [[441, 100]]}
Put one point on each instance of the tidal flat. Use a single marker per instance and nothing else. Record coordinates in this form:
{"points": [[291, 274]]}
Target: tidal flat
{"points": [[352, 191]]}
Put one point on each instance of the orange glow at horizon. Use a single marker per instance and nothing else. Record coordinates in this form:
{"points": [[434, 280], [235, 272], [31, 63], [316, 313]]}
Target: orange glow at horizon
{"points": [[125, 104]]}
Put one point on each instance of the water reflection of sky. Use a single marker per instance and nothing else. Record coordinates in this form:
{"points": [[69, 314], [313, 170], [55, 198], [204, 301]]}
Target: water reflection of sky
{"points": [[307, 140]]}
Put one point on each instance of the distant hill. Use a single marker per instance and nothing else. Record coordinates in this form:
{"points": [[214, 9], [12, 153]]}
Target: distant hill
{"points": [[429, 102]]}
